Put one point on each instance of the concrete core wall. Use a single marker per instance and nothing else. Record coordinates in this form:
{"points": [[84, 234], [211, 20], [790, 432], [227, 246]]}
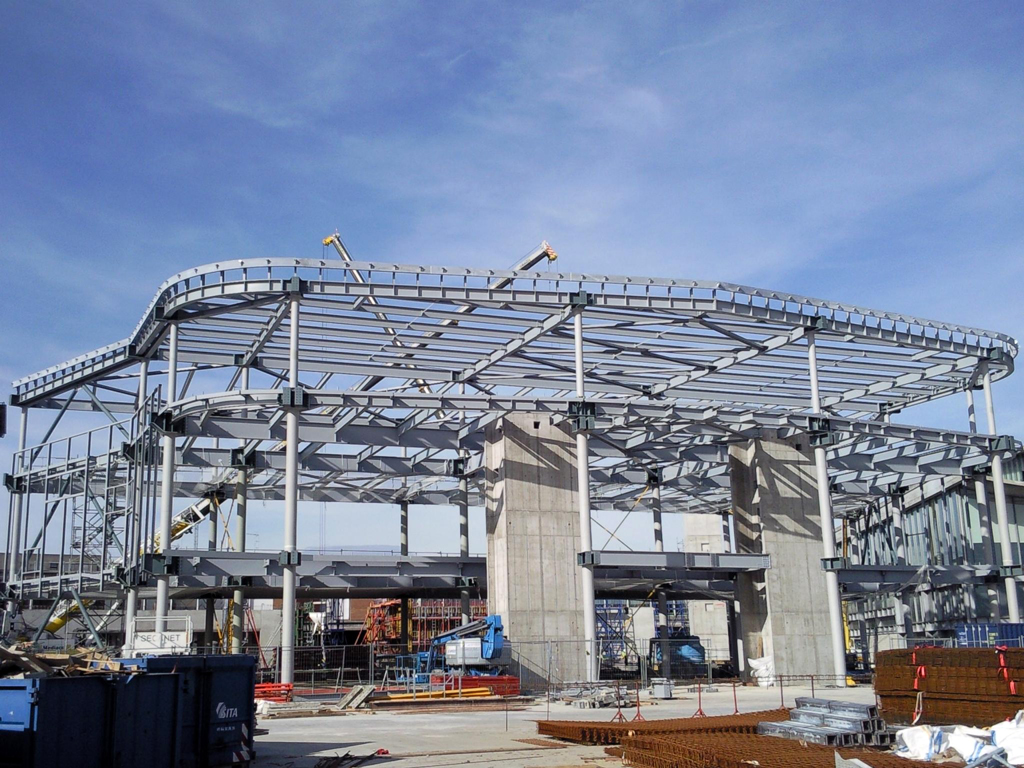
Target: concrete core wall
{"points": [[707, 619], [533, 538], [784, 612]]}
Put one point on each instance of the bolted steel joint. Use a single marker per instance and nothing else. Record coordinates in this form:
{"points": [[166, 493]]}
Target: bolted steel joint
{"points": [[14, 484], [289, 558], [582, 299], [1001, 443], [293, 397], [582, 415]]}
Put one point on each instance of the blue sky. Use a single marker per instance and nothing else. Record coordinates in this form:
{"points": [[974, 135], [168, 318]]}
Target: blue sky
{"points": [[869, 152]]}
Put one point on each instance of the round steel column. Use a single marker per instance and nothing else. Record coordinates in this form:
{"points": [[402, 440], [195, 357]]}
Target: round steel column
{"points": [[1002, 518], [291, 506], [241, 503], [464, 538], [828, 534], [586, 535], [659, 546], [167, 489], [14, 567]]}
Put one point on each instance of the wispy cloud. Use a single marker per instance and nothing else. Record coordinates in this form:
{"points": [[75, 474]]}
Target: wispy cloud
{"points": [[854, 152]]}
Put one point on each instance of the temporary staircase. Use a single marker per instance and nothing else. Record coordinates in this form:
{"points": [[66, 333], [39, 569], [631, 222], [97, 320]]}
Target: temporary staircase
{"points": [[181, 523]]}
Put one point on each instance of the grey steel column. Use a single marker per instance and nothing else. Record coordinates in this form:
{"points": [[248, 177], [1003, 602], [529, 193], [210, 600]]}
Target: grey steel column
{"points": [[403, 615], [980, 493], [999, 491], [984, 513], [659, 546], [583, 491], [901, 615], [14, 567], [167, 489], [131, 604], [291, 506], [211, 602], [241, 502], [828, 535], [464, 538]]}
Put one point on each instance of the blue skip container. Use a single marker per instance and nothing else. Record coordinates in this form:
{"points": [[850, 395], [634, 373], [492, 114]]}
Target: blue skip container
{"points": [[56, 721]]}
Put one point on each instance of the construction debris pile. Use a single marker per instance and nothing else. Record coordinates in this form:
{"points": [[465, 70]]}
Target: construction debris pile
{"points": [[950, 686], [17, 664], [589, 697], [835, 723]]}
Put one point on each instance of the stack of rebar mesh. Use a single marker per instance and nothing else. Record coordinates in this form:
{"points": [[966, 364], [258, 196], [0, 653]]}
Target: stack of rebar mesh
{"points": [[730, 750], [949, 686], [583, 732], [730, 741]]}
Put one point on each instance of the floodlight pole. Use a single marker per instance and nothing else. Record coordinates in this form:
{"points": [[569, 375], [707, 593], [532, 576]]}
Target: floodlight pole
{"points": [[586, 536], [167, 489], [999, 491], [828, 534]]}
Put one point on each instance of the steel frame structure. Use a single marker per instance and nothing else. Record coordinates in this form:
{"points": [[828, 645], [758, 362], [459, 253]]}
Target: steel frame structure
{"points": [[336, 380]]}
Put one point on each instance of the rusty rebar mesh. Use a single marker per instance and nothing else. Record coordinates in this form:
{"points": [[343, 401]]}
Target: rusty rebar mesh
{"points": [[950, 680], [946, 686], [590, 732], [901, 710], [741, 750], [973, 658]]}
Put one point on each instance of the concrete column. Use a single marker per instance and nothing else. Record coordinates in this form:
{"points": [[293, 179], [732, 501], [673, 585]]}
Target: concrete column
{"points": [[583, 491], [828, 538], [291, 505], [659, 546], [404, 612], [708, 619], [999, 492], [167, 488], [533, 537], [783, 610]]}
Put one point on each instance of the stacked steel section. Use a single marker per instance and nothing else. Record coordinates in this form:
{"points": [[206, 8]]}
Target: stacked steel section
{"points": [[945, 686], [825, 721]]}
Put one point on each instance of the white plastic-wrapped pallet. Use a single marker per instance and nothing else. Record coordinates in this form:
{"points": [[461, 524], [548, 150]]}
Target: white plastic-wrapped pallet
{"points": [[922, 742], [763, 671], [971, 743], [1010, 736]]}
